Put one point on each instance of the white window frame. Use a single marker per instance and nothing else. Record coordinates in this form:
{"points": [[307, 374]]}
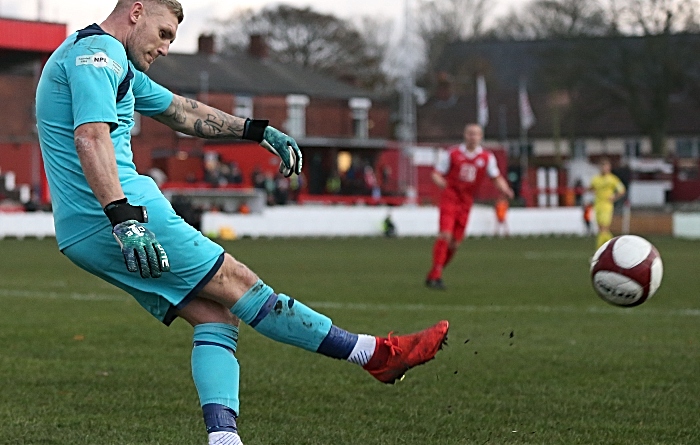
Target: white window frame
{"points": [[296, 115], [579, 149], [244, 107], [694, 148], [629, 143], [360, 116]]}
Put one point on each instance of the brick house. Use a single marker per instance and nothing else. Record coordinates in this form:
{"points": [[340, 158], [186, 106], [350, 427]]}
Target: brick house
{"points": [[333, 122]]}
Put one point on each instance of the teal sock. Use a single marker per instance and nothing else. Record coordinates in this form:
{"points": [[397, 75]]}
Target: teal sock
{"points": [[215, 370], [282, 318]]}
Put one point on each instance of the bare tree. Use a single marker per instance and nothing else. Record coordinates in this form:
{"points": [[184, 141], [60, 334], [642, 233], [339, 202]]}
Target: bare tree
{"points": [[539, 19], [444, 21], [377, 34], [310, 39], [654, 17]]}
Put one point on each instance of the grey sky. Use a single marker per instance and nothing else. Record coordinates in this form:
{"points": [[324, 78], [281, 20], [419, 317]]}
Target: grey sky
{"points": [[199, 13]]}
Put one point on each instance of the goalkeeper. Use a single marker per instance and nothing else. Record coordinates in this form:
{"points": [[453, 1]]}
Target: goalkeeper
{"points": [[607, 189], [106, 214]]}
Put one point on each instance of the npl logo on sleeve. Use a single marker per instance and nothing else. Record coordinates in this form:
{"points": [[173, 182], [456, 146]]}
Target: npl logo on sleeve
{"points": [[99, 60]]}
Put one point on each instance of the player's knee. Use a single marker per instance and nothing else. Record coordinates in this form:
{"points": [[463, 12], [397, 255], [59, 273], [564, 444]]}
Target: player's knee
{"points": [[235, 273], [230, 282], [202, 310]]}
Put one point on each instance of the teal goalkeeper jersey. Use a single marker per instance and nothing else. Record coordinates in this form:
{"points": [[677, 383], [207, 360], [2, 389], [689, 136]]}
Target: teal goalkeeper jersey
{"points": [[89, 79]]}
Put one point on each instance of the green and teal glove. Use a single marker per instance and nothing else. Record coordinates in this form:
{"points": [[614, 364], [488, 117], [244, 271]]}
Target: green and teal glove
{"points": [[142, 252], [277, 143]]}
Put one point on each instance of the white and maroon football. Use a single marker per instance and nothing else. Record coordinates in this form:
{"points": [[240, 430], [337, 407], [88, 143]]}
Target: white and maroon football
{"points": [[626, 271]]}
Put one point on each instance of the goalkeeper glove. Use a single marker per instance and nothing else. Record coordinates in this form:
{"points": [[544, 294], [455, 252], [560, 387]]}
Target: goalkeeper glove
{"points": [[142, 252], [276, 143]]}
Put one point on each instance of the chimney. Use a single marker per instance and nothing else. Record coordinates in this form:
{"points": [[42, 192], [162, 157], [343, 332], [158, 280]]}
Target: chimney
{"points": [[258, 46], [206, 44]]}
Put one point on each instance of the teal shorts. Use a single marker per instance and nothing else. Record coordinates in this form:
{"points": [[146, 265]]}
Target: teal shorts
{"points": [[194, 260]]}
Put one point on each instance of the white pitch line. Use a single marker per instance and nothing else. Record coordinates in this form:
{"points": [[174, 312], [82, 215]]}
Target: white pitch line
{"points": [[503, 309], [51, 295]]}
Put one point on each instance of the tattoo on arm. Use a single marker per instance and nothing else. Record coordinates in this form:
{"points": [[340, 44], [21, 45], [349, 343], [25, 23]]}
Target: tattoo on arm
{"points": [[175, 112], [218, 126], [187, 115], [212, 127]]}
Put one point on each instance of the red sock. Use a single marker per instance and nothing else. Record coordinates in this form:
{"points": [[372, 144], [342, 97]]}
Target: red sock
{"points": [[450, 254], [439, 258]]}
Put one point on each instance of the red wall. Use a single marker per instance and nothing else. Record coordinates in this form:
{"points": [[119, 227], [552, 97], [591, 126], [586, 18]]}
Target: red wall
{"points": [[273, 109], [18, 159], [325, 117], [17, 99], [379, 122], [38, 37], [248, 156], [686, 188]]}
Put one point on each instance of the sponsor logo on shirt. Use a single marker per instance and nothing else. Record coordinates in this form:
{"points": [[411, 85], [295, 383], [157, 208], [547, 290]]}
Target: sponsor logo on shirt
{"points": [[99, 60]]}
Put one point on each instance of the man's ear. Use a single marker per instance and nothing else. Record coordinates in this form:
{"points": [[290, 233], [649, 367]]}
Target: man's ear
{"points": [[136, 12]]}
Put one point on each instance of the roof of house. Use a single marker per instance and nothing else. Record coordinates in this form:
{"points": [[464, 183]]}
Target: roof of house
{"points": [[443, 121], [507, 63], [243, 74]]}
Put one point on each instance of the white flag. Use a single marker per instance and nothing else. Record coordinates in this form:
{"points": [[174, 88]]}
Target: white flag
{"points": [[527, 117], [482, 105]]}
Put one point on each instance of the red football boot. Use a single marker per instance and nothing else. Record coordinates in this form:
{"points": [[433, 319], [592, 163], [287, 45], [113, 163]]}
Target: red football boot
{"points": [[394, 355]]}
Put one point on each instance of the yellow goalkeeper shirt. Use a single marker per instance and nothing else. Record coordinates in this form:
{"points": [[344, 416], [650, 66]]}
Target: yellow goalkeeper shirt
{"points": [[605, 186]]}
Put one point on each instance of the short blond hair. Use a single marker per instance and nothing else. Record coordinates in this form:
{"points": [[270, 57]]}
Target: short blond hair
{"points": [[473, 124], [173, 6]]}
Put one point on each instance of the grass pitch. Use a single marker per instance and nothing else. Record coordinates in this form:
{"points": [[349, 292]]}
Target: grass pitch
{"points": [[534, 356]]}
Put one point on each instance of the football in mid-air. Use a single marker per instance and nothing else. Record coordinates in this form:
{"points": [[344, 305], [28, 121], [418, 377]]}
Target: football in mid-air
{"points": [[626, 271]]}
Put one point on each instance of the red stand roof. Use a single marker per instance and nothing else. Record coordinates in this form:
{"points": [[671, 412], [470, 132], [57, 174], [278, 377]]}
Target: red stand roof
{"points": [[40, 37]]}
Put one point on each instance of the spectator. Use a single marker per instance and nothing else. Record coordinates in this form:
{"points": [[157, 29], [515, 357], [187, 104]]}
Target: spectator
{"points": [[502, 217], [386, 173], [389, 227], [224, 172], [588, 217], [258, 178], [333, 183], [269, 184], [353, 180], [281, 191], [235, 176], [578, 191], [211, 172], [371, 183]]}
